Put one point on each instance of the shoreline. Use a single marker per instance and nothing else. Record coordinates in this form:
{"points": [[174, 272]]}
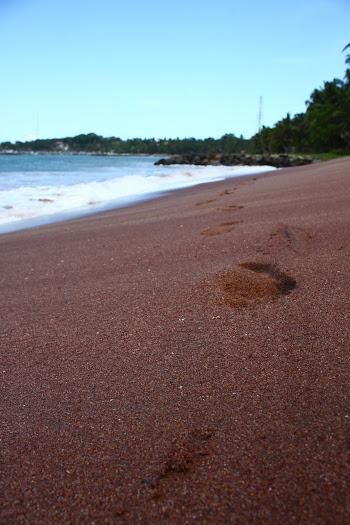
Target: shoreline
{"points": [[183, 359], [121, 202], [81, 153]]}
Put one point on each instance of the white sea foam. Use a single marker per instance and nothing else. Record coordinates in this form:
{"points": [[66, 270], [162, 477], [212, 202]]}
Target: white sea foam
{"points": [[101, 187]]}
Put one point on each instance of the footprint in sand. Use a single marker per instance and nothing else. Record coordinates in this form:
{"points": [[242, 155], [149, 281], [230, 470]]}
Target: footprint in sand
{"points": [[232, 207], [204, 202], [246, 284], [226, 192], [255, 281], [225, 227], [296, 238], [184, 452]]}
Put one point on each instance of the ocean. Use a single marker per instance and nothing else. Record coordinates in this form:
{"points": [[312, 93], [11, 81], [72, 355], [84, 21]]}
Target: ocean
{"points": [[40, 189]]}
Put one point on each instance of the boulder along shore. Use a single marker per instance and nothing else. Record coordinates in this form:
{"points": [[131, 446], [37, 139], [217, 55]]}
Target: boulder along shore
{"points": [[183, 360], [278, 160]]}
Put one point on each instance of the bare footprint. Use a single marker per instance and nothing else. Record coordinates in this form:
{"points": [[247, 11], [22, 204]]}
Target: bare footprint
{"points": [[246, 284], [225, 227], [226, 192], [184, 451], [296, 238], [232, 207], [205, 202]]}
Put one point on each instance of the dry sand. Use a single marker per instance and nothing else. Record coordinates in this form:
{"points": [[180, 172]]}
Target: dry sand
{"points": [[184, 360]]}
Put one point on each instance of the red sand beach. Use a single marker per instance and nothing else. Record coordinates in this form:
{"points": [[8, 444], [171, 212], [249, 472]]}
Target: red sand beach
{"points": [[184, 360]]}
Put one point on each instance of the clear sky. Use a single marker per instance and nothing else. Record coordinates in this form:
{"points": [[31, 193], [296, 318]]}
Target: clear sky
{"points": [[150, 68]]}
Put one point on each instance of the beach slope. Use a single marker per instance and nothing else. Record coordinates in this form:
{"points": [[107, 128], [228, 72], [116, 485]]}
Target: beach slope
{"points": [[183, 360]]}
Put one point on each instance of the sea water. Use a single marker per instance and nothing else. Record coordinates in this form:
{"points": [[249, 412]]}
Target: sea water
{"points": [[39, 189]]}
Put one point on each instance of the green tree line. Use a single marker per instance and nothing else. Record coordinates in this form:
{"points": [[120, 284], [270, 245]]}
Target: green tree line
{"points": [[324, 127], [92, 143]]}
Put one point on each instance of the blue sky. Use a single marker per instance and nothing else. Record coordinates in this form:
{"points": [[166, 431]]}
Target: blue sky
{"points": [[193, 68]]}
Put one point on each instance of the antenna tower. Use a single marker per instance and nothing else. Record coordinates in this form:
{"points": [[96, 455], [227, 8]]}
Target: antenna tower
{"points": [[260, 115], [37, 131]]}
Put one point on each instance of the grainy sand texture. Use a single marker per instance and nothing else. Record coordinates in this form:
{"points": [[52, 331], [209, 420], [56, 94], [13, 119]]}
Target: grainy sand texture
{"points": [[184, 360]]}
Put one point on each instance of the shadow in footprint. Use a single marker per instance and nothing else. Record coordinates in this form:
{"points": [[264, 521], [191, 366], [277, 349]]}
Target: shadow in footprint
{"points": [[284, 283]]}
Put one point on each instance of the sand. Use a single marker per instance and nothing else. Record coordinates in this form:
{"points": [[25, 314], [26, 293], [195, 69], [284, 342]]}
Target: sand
{"points": [[184, 360]]}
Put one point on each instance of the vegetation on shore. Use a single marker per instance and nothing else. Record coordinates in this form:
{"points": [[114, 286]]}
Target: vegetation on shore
{"points": [[324, 128]]}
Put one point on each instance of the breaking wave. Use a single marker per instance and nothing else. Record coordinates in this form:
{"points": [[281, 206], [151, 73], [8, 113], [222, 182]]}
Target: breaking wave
{"points": [[93, 190]]}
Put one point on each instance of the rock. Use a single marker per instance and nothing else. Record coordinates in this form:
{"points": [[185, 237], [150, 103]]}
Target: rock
{"points": [[281, 160]]}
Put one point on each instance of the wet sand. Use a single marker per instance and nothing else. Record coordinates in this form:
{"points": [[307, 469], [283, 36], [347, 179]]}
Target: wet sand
{"points": [[184, 360]]}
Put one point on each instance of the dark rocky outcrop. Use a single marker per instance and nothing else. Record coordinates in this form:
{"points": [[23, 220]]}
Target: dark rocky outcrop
{"points": [[281, 160]]}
